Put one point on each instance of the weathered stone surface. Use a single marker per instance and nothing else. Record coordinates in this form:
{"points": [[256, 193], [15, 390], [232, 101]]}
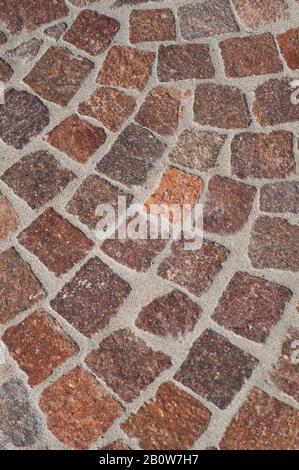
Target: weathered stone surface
{"points": [[172, 420], [280, 197], [58, 74], [289, 44], [152, 25], [126, 67], [78, 411], [250, 306], [77, 138], [273, 103], [92, 192], [274, 244], [257, 13], [25, 52], [194, 270], [228, 205], [285, 374], [263, 155], [56, 31], [8, 218], [215, 368], [262, 423], [131, 156], [172, 314], [22, 117], [220, 106], [252, 55], [109, 106], [92, 32], [38, 345], [206, 19], [19, 421], [19, 288], [127, 364], [160, 111], [6, 72], [197, 149], [18, 16], [183, 62], [37, 178], [3, 38], [92, 297], [56, 243]]}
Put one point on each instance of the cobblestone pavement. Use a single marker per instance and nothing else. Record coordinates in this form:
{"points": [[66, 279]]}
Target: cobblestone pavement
{"points": [[141, 344]]}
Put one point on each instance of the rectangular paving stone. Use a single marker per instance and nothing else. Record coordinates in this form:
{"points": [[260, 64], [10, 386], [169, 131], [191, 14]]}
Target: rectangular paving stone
{"points": [[18, 16], [221, 106], [197, 149], [206, 19], [273, 103], [92, 32], [58, 74], [22, 116], [172, 314], [194, 270], [250, 306], [184, 62], [262, 423], [274, 244], [38, 345], [126, 67], [77, 138], [19, 288], [8, 217], [228, 205], [77, 409], [109, 106], [151, 25], [92, 192], [171, 420], [285, 373], [252, 55], [259, 13], [92, 297], [37, 178], [131, 156], [280, 197], [127, 364], [55, 242], [263, 155], [160, 111], [20, 423], [215, 368]]}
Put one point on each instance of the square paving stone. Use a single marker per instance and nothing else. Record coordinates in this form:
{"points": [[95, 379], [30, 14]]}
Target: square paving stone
{"points": [[152, 25], [92, 297], [19, 288], [56, 243], [22, 117], [77, 138], [259, 13], [92, 32], [262, 423], [194, 270], [250, 306], [173, 419], [127, 364], [77, 409], [20, 423], [215, 368], [280, 197], [58, 74], [172, 314], [38, 345], [37, 178]]}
